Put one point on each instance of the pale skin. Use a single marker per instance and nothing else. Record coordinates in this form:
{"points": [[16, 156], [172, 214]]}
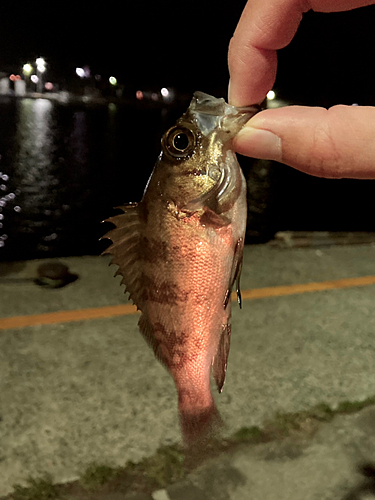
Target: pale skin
{"points": [[335, 143]]}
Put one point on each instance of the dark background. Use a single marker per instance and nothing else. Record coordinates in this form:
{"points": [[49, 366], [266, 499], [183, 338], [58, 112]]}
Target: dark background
{"points": [[149, 45], [184, 44]]}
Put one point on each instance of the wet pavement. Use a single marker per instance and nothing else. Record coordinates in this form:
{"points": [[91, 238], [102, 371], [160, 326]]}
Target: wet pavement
{"points": [[79, 391]]}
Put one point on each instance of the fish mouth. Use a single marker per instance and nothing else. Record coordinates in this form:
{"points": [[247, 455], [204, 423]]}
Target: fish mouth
{"points": [[212, 113], [219, 122]]}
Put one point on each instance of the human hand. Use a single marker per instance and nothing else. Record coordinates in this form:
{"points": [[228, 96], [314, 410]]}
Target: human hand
{"points": [[338, 142]]}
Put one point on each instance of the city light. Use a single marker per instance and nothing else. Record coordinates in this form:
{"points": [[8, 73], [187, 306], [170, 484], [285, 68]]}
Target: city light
{"points": [[139, 95], [112, 80], [34, 78], [271, 95], [27, 69], [80, 72], [168, 94], [41, 64]]}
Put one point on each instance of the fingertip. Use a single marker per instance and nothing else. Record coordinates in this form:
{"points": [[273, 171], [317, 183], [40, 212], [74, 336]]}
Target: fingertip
{"points": [[258, 143]]}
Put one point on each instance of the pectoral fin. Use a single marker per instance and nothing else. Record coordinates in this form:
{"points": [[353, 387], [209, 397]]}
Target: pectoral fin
{"points": [[219, 365], [212, 219], [236, 273]]}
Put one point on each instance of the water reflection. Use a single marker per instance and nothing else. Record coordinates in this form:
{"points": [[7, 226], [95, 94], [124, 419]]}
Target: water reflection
{"points": [[49, 161], [67, 167]]}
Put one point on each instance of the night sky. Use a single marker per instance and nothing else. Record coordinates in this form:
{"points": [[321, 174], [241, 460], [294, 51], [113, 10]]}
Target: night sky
{"points": [[184, 44]]}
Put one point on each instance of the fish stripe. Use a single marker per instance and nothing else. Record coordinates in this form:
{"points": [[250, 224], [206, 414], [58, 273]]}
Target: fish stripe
{"points": [[163, 292], [152, 250]]}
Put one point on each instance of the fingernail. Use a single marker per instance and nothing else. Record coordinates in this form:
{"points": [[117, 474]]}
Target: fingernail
{"points": [[258, 143], [231, 98], [229, 94]]}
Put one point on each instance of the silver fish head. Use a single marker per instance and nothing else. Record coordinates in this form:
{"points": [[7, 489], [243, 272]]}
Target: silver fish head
{"points": [[196, 167]]}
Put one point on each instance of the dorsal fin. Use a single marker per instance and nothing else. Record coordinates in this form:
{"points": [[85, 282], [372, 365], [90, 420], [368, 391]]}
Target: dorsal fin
{"points": [[125, 249]]}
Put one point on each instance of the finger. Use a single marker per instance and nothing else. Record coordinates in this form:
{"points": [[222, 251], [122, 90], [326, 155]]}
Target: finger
{"points": [[334, 6], [265, 27], [334, 143]]}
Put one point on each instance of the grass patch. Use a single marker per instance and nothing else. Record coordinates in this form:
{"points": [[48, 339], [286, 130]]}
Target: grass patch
{"points": [[354, 406], [248, 434], [38, 489], [173, 463], [97, 475], [283, 424], [166, 466]]}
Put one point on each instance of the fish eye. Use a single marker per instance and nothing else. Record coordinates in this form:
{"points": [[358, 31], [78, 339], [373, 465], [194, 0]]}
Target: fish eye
{"points": [[179, 142]]}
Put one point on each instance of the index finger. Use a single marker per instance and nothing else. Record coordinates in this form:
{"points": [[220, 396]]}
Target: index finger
{"points": [[264, 28]]}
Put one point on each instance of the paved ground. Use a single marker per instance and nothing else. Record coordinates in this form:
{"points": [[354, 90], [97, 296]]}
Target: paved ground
{"points": [[73, 393]]}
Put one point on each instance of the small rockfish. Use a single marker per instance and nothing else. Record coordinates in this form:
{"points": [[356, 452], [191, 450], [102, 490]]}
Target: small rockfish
{"points": [[180, 249]]}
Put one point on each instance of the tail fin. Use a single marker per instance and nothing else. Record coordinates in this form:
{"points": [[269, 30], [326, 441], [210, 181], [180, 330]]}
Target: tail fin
{"points": [[200, 425]]}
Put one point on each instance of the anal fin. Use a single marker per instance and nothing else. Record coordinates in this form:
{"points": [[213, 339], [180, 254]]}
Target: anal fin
{"points": [[219, 365]]}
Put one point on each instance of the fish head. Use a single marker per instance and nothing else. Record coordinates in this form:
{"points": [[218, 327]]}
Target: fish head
{"points": [[196, 167]]}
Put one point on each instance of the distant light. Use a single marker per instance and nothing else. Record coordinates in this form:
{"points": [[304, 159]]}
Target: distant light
{"points": [[98, 77], [154, 96], [27, 68], [49, 86], [112, 80], [34, 79], [139, 94], [80, 72], [271, 95], [168, 94], [12, 78], [40, 64]]}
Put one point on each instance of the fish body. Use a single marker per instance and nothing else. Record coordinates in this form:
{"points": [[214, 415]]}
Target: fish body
{"points": [[179, 251]]}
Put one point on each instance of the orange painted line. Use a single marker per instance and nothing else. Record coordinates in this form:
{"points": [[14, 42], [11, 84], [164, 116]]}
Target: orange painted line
{"points": [[66, 316], [277, 291], [125, 309]]}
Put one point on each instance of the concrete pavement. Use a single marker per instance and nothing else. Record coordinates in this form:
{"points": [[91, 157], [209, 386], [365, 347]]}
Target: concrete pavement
{"points": [[73, 393]]}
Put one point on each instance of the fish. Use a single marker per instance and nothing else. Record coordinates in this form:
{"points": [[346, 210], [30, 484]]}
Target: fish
{"points": [[179, 251]]}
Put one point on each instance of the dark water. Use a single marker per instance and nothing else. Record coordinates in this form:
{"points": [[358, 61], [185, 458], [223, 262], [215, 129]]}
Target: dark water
{"points": [[63, 168]]}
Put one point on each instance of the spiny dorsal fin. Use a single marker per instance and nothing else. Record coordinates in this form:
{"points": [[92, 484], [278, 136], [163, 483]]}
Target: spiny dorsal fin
{"points": [[125, 249]]}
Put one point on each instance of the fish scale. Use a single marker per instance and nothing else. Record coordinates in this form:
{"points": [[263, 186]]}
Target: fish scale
{"points": [[179, 251]]}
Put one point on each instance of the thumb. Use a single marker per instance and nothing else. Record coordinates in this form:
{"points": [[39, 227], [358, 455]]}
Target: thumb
{"points": [[335, 143]]}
